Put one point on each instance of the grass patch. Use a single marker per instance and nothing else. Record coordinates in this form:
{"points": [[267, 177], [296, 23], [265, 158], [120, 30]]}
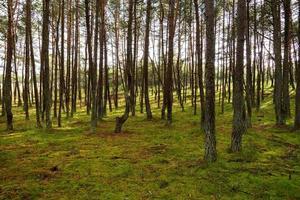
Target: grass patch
{"points": [[148, 160]]}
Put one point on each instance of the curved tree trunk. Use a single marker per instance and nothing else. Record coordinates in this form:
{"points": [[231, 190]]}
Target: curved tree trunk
{"points": [[128, 73]]}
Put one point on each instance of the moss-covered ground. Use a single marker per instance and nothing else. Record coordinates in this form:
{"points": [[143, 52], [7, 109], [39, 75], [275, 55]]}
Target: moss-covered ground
{"points": [[148, 160]]}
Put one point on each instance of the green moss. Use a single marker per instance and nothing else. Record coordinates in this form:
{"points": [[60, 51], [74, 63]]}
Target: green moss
{"points": [[149, 160]]}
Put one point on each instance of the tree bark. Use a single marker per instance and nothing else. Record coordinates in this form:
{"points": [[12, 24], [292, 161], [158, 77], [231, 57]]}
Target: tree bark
{"points": [[286, 63], [27, 58], [7, 87], [146, 56], [45, 63], [199, 62], [297, 98], [61, 71], [209, 126], [169, 71], [275, 5], [239, 125], [128, 73]]}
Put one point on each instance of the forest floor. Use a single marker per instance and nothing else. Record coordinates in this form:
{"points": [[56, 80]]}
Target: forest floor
{"points": [[148, 160]]}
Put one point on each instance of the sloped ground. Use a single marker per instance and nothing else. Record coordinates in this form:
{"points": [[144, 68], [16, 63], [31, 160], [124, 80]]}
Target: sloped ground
{"points": [[148, 160]]}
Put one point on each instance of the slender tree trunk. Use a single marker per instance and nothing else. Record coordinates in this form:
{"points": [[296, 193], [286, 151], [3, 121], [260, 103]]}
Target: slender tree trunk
{"points": [[7, 87], [101, 60], [146, 56], [117, 13], [17, 85], [92, 66], [128, 73], [106, 75], [61, 71], [3, 83], [56, 66], [286, 63], [45, 63], [199, 62], [76, 62], [209, 126], [27, 58], [275, 5], [69, 36], [248, 70], [297, 99], [169, 71], [239, 125]]}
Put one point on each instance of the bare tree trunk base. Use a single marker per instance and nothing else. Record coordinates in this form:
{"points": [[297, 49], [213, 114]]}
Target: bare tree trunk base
{"points": [[119, 123]]}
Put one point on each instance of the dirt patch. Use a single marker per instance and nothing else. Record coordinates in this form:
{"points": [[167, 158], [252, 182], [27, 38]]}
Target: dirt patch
{"points": [[124, 134], [157, 149], [261, 127], [282, 128], [278, 140], [147, 152], [46, 174]]}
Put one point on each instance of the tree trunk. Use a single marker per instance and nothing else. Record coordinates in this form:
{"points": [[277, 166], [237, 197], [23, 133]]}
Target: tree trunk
{"points": [[116, 97], [286, 63], [239, 125], [56, 66], [45, 63], [27, 57], [146, 56], [128, 73], [209, 125], [297, 99], [275, 4], [169, 71], [61, 71], [7, 87], [92, 66], [199, 62], [76, 62], [69, 36]]}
